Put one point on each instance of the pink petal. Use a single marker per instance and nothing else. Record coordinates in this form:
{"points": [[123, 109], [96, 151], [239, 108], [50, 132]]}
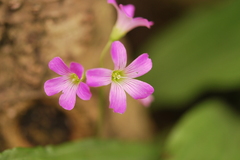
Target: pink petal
{"points": [[55, 85], [113, 2], [77, 69], [146, 102], [140, 66], [125, 21], [58, 66], [137, 89], [98, 77], [68, 99], [119, 11], [117, 99], [138, 22], [119, 55], [128, 9], [83, 91]]}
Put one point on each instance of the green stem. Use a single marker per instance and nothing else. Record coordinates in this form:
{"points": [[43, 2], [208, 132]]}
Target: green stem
{"points": [[102, 105], [102, 101], [104, 52]]}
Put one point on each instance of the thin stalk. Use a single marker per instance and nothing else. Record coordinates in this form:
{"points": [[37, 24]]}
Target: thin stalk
{"points": [[104, 52], [102, 101], [102, 105]]}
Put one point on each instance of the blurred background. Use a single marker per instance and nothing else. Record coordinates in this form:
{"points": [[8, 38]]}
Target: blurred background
{"points": [[194, 46]]}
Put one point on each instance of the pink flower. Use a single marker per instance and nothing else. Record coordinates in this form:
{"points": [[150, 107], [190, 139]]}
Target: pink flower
{"points": [[70, 83], [146, 102], [122, 77], [125, 21]]}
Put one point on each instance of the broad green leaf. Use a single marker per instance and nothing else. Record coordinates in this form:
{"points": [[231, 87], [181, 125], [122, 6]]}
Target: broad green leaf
{"points": [[210, 131], [199, 53], [90, 149]]}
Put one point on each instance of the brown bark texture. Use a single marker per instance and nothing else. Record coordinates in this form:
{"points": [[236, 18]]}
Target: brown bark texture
{"points": [[32, 32]]}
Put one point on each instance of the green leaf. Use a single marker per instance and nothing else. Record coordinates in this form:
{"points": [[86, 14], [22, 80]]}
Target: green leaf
{"points": [[210, 131], [199, 53], [90, 149]]}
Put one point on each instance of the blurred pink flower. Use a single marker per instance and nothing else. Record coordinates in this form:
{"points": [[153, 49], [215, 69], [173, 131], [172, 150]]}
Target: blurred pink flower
{"points": [[69, 82], [122, 77], [146, 102], [125, 21]]}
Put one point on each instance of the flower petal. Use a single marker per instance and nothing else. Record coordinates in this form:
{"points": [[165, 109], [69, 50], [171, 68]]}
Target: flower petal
{"points": [[138, 22], [98, 77], [77, 69], [83, 91], [137, 89], [68, 99], [117, 98], [55, 85], [58, 66], [127, 9], [119, 55], [114, 3], [140, 66], [146, 102]]}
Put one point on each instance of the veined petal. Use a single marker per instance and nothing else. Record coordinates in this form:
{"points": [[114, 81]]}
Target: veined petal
{"points": [[55, 85], [137, 89], [77, 69], [146, 102], [58, 66], [98, 77], [140, 66], [127, 9], [119, 55], [83, 91], [117, 98], [68, 99]]}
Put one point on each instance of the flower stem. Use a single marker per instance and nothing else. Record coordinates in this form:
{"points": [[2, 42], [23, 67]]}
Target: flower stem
{"points": [[102, 105], [102, 101], [104, 52]]}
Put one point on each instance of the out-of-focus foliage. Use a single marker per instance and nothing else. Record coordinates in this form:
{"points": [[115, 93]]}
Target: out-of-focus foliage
{"points": [[210, 131], [199, 53], [91, 149]]}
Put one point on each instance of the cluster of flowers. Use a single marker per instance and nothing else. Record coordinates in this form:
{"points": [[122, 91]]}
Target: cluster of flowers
{"points": [[70, 82]]}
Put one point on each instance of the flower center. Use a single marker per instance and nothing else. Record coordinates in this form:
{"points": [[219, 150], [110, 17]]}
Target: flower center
{"points": [[117, 76], [74, 78]]}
